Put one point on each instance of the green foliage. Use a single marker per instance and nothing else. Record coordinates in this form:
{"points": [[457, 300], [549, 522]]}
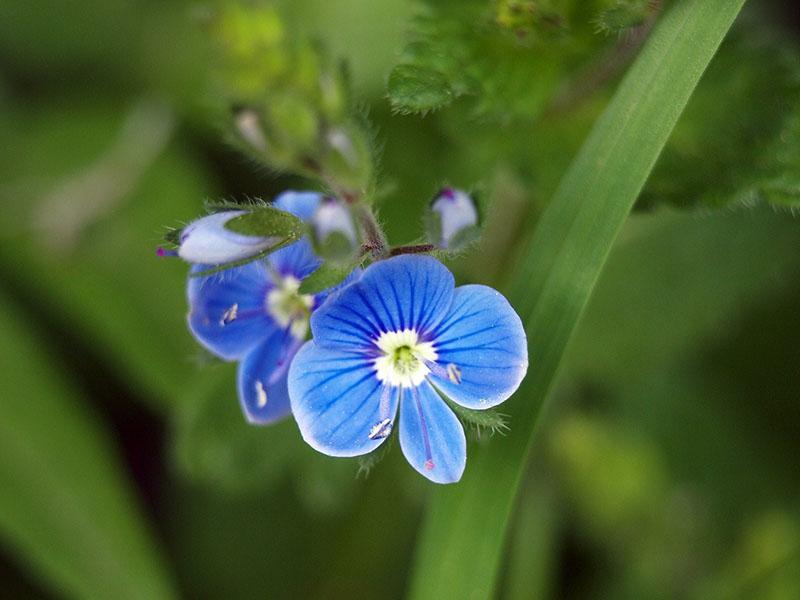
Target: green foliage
{"points": [[327, 275], [508, 56], [489, 421], [461, 544], [66, 505], [284, 102], [268, 221], [418, 89], [738, 143]]}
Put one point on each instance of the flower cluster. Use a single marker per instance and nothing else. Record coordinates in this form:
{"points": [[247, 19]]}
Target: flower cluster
{"points": [[395, 347], [253, 313]]}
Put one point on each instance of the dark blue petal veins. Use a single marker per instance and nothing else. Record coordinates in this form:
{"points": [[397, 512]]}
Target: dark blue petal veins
{"points": [[226, 310], [483, 339], [337, 400], [431, 436], [405, 292]]}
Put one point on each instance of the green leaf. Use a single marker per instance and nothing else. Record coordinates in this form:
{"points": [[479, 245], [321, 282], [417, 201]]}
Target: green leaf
{"points": [[268, 221], [66, 506], [326, 276], [463, 536], [738, 142], [414, 89]]}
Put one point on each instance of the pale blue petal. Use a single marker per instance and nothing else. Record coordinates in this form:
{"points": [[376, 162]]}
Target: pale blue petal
{"points": [[261, 380], [300, 204], [227, 313], [337, 400], [431, 436], [405, 292], [483, 338]]}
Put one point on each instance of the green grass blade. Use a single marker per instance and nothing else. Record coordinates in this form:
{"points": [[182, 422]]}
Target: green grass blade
{"points": [[66, 508], [463, 535]]}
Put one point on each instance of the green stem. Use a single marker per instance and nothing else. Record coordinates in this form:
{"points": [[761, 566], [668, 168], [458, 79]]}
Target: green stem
{"points": [[462, 538]]}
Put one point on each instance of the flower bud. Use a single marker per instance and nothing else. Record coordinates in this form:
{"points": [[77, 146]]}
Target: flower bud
{"points": [[207, 241], [453, 220], [333, 231]]}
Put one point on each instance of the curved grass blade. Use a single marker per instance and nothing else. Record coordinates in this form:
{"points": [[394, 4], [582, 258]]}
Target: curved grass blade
{"points": [[66, 508], [459, 551]]}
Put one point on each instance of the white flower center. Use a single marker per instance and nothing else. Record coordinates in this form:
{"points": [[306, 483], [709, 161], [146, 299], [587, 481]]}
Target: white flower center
{"points": [[288, 307], [404, 357]]}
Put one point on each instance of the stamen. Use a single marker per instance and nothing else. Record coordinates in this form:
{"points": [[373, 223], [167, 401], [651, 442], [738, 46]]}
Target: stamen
{"points": [[162, 252], [380, 430], [229, 316], [261, 393], [454, 373], [429, 465]]}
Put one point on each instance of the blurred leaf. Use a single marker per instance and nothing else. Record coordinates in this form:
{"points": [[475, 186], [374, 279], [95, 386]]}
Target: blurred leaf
{"points": [[414, 89], [100, 279], [66, 506], [462, 539], [738, 143], [215, 445], [326, 276], [533, 554]]}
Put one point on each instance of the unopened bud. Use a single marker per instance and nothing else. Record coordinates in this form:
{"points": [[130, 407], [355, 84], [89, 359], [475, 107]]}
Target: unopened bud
{"points": [[207, 241], [454, 219], [333, 231]]}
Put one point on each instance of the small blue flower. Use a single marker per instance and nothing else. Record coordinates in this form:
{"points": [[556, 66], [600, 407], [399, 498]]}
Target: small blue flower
{"points": [[255, 314], [400, 338]]}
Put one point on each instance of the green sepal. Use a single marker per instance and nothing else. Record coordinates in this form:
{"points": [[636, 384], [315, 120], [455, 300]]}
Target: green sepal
{"points": [[326, 276], [268, 221], [478, 421]]}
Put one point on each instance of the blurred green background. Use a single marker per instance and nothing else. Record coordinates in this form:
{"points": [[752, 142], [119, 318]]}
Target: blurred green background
{"points": [[669, 462]]}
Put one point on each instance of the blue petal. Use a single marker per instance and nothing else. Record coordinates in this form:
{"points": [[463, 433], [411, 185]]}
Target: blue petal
{"points": [[483, 338], [431, 436], [261, 380], [337, 400], [226, 331], [352, 277], [406, 292], [298, 259], [300, 204]]}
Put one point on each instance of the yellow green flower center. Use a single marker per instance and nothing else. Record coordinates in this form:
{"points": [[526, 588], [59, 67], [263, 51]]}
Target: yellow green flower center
{"points": [[404, 358], [288, 307]]}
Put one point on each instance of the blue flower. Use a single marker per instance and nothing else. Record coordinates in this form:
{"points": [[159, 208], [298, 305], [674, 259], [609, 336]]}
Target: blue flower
{"points": [[398, 340], [256, 315]]}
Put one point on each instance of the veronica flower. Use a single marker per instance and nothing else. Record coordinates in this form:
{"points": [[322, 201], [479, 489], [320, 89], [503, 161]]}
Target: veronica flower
{"points": [[398, 341], [255, 314]]}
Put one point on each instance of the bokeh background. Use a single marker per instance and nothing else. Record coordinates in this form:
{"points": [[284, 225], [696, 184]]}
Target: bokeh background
{"points": [[668, 463]]}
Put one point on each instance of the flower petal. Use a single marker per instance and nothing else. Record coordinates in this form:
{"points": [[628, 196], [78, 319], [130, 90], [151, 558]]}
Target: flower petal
{"points": [[431, 436], [207, 241], [338, 401], [482, 346], [297, 259], [226, 310], [261, 379], [405, 292]]}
